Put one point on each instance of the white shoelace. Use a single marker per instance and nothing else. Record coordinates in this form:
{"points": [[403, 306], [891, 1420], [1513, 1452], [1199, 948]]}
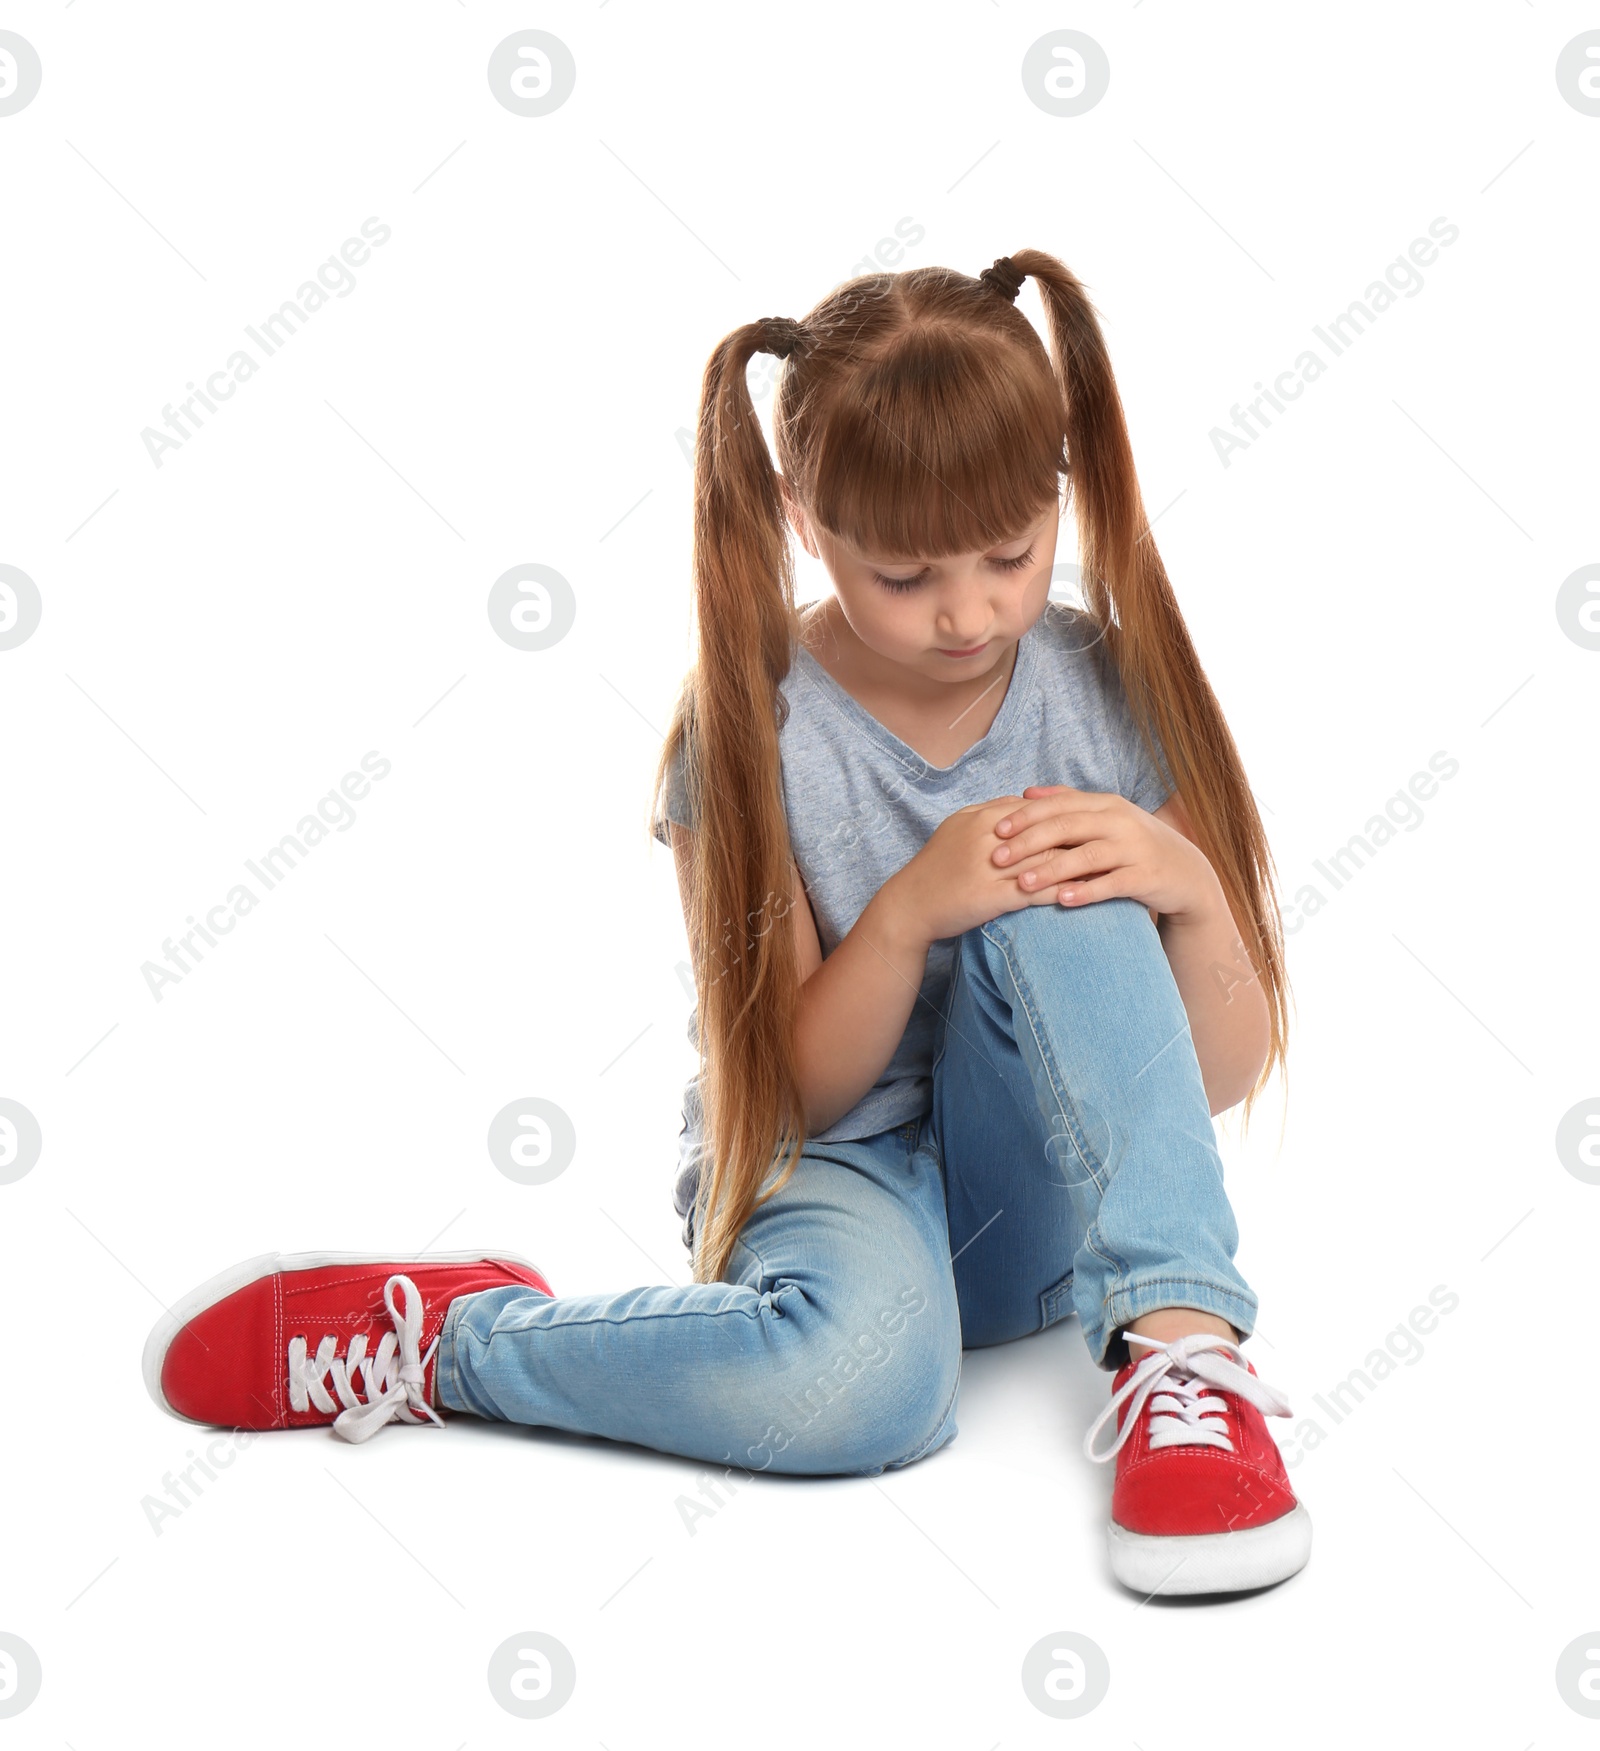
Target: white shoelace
{"points": [[1181, 1414], [391, 1377]]}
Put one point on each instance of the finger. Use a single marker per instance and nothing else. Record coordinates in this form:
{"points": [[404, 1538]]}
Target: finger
{"points": [[998, 804], [1017, 897], [1047, 792], [1035, 835], [1044, 803], [1057, 830], [1093, 857], [1086, 893], [1018, 818]]}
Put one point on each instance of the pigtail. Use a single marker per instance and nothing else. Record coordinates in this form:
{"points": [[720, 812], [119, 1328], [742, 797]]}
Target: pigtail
{"points": [[922, 415], [726, 721], [1127, 590]]}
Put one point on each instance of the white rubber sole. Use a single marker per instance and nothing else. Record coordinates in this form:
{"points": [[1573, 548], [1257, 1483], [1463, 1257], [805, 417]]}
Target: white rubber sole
{"points": [[219, 1287], [1212, 1562]]}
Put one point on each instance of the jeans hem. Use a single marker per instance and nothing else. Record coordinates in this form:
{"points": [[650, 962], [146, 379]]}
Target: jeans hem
{"points": [[1132, 1298], [445, 1362]]}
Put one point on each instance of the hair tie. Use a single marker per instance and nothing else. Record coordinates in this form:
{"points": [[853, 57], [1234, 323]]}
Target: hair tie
{"points": [[781, 335], [1005, 277]]}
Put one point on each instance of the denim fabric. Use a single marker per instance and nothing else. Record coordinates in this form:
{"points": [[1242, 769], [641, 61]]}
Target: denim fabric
{"points": [[1068, 1164], [860, 803]]}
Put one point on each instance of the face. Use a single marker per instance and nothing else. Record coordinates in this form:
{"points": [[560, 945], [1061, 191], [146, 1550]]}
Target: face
{"points": [[918, 612]]}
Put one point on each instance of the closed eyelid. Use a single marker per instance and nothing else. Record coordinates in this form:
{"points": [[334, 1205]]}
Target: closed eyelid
{"points": [[988, 559]]}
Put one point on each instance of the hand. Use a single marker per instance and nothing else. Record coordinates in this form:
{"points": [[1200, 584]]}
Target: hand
{"points": [[954, 882], [1091, 845]]}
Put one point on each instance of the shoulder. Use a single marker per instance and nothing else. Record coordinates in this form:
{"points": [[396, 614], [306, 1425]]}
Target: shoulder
{"points": [[1085, 677], [1071, 651], [1065, 633], [807, 652]]}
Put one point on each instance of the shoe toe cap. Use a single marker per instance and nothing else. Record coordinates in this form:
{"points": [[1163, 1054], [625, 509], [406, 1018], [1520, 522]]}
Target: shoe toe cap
{"points": [[212, 1372], [1196, 1491]]}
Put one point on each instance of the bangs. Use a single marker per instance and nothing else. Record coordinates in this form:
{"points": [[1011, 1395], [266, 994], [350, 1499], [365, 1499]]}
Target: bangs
{"points": [[951, 442]]}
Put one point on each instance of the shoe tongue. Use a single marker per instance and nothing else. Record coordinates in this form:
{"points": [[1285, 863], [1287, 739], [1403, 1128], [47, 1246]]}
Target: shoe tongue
{"points": [[1177, 1370], [1139, 1354]]}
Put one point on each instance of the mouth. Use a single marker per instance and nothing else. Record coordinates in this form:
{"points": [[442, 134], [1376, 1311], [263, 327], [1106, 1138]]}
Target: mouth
{"points": [[971, 651]]}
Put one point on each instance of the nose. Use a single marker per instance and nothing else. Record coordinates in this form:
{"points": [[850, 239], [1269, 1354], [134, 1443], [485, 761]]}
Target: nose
{"points": [[964, 618]]}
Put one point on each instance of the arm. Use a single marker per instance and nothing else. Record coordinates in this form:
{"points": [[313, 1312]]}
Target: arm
{"points": [[854, 1006], [1221, 993]]}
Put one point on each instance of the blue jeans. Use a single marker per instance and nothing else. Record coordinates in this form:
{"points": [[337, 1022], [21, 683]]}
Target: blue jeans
{"points": [[1068, 1164]]}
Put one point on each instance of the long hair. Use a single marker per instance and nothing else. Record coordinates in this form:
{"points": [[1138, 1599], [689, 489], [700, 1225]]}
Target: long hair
{"points": [[918, 413]]}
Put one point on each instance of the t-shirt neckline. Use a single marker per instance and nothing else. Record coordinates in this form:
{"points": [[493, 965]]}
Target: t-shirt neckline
{"points": [[1017, 689]]}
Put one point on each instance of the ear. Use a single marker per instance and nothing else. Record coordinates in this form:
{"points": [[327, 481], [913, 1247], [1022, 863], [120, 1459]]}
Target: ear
{"points": [[797, 518]]}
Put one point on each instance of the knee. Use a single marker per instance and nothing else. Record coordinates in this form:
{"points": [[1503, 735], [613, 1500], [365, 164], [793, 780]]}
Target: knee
{"points": [[1117, 916], [1120, 926], [873, 1386]]}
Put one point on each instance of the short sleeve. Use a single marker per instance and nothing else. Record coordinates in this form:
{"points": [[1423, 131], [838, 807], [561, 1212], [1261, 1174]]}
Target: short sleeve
{"points": [[1143, 781], [672, 804]]}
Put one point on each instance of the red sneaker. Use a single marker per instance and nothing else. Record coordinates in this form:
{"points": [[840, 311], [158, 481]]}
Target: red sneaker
{"points": [[1202, 1503], [256, 1347]]}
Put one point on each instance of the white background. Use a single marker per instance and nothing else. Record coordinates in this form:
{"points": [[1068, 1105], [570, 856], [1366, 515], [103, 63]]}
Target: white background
{"points": [[306, 579]]}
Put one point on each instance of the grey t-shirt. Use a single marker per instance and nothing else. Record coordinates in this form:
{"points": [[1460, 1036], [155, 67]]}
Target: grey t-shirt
{"points": [[861, 803]]}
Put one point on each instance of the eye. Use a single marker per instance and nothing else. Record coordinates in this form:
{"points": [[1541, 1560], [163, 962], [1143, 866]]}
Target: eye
{"points": [[899, 585]]}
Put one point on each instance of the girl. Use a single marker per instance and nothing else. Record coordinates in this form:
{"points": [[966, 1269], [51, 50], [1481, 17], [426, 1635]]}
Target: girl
{"points": [[1010, 940]]}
